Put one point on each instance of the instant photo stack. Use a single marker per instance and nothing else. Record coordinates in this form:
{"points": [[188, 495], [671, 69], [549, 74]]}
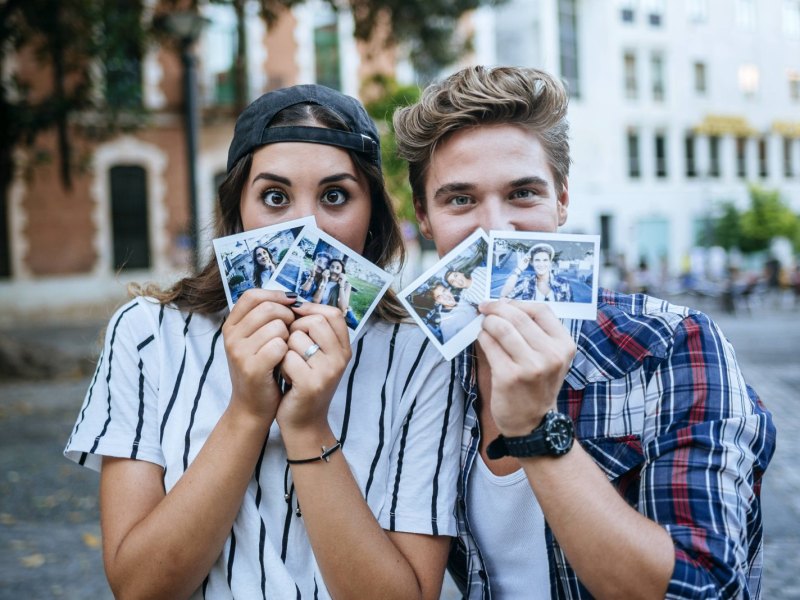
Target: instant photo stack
{"points": [[296, 256]]}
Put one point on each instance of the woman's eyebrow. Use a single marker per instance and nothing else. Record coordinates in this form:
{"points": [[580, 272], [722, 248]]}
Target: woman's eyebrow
{"points": [[337, 177], [272, 177]]}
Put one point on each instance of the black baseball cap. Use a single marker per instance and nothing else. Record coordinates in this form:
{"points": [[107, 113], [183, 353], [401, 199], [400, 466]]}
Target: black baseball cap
{"points": [[252, 127]]}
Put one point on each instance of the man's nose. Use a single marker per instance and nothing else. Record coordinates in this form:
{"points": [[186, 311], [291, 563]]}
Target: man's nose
{"points": [[496, 215]]}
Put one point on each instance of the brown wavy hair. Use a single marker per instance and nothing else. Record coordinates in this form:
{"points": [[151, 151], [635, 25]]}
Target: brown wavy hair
{"points": [[474, 96], [203, 292]]}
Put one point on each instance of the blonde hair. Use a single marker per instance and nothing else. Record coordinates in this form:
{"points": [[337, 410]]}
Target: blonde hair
{"points": [[476, 96]]}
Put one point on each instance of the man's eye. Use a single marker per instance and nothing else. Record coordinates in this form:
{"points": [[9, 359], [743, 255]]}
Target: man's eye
{"points": [[522, 194], [460, 200], [334, 197], [274, 198]]}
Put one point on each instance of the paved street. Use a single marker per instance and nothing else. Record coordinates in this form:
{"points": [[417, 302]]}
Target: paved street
{"points": [[49, 532]]}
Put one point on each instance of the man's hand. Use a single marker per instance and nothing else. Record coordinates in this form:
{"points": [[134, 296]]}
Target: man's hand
{"points": [[529, 353]]}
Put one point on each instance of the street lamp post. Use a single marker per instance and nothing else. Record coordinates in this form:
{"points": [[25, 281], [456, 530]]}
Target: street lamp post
{"points": [[185, 27]]}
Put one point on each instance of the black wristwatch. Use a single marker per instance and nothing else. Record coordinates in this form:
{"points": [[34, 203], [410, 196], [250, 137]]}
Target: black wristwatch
{"points": [[553, 437]]}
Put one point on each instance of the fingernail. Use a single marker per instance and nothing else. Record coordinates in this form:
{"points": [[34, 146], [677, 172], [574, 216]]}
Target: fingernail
{"points": [[291, 294], [297, 304]]}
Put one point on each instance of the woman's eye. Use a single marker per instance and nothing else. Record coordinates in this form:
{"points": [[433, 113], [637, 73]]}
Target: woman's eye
{"points": [[334, 197], [460, 200], [274, 198]]}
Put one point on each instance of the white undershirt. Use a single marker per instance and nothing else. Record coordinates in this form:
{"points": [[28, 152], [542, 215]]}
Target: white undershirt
{"points": [[508, 526]]}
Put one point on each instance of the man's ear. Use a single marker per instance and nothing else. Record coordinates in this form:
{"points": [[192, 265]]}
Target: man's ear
{"points": [[422, 219], [563, 203]]}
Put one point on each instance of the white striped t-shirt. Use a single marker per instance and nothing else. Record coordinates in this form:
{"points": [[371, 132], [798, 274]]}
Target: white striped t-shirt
{"points": [[162, 383]]}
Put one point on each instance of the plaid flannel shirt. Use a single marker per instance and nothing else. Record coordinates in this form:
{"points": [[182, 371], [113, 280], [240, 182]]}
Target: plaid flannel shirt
{"points": [[660, 404]]}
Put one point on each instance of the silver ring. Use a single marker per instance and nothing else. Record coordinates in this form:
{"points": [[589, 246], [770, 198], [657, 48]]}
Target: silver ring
{"points": [[310, 351]]}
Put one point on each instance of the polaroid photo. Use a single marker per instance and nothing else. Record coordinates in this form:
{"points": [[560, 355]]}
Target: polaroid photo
{"points": [[444, 299], [251, 258], [561, 269], [321, 269]]}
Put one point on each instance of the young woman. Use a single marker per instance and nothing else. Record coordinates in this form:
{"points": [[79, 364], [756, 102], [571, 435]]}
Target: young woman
{"points": [[335, 290], [264, 266], [217, 481]]}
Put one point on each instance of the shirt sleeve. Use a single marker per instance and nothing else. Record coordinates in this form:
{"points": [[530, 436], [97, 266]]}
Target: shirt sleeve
{"points": [[424, 459], [119, 413], [708, 440]]}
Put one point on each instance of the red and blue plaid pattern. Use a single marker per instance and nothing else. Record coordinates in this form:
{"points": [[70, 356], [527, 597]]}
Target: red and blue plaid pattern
{"points": [[660, 404]]}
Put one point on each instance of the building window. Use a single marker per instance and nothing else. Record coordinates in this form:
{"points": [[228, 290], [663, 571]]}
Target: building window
{"points": [[628, 11], [748, 80], [691, 162], [714, 169], [568, 41], [763, 155], [657, 67], [788, 157], [698, 11], [661, 155], [700, 81], [122, 55], [634, 166], [655, 12], [326, 50], [219, 55], [791, 18], [745, 14], [794, 85], [631, 87], [741, 157], [129, 223]]}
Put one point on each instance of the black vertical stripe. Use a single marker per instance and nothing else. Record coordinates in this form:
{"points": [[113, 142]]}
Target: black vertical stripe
{"points": [[160, 316], [440, 455], [379, 450], [415, 365], [346, 419], [316, 589], [140, 422], [188, 437], [231, 556], [108, 377], [403, 439], [177, 385], [297, 589], [89, 400], [205, 584], [262, 531]]}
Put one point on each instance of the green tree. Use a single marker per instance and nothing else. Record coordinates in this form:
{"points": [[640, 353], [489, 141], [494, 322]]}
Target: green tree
{"points": [[392, 97], [767, 217], [727, 228]]}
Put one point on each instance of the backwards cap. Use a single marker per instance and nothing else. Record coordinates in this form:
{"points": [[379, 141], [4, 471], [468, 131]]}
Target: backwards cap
{"points": [[252, 127]]}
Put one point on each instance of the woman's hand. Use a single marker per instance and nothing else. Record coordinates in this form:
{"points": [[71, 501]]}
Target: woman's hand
{"points": [[529, 352], [313, 378], [256, 335]]}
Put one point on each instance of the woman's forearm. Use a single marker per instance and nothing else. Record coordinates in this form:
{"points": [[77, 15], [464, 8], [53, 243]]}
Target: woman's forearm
{"points": [[163, 546]]}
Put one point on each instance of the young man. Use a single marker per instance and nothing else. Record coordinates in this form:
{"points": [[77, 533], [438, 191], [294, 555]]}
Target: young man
{"points": [[660, 494]]}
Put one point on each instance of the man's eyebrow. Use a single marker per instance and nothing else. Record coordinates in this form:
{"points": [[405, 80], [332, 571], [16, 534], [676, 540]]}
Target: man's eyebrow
{"points": [[449, 188], [532, 180], [272, 177]]}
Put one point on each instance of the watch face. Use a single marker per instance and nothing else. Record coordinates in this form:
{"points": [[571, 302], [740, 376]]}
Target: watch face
{"points": [[559, 434]]}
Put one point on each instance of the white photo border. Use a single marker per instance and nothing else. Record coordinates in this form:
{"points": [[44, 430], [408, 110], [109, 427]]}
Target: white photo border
{"points": [[221, 244], [315, 235], [586, 310], [468, 334]]}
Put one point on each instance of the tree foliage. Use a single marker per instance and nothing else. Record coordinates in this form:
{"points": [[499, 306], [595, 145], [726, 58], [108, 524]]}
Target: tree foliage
{"points": [[753, 230], [392, 97]]}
